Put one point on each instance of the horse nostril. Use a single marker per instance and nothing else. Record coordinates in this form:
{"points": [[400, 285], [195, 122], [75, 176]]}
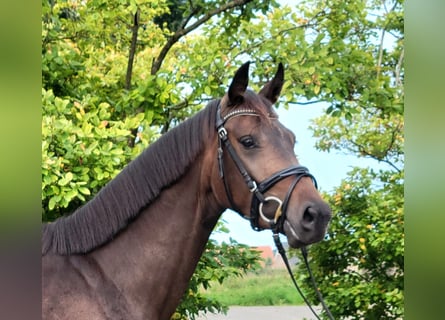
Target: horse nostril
{"points": [[309, 216]]}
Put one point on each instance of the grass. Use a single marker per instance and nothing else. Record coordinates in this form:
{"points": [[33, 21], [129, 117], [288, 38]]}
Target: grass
{"points": [[269, 287]]}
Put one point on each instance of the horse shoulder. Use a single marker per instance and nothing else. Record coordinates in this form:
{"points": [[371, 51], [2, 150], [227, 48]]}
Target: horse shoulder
{"points": [[74, 288]]}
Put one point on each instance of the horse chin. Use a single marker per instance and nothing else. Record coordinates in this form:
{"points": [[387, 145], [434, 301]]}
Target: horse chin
{"points": [[293, 238]]}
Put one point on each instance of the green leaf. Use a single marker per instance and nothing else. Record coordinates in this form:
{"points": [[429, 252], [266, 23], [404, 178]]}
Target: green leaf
{"points": [[316, 89], [52, 203], [84, 190]]}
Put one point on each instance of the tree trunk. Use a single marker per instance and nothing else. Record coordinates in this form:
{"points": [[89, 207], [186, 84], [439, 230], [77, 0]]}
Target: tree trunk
{"points": [[134, 38]]}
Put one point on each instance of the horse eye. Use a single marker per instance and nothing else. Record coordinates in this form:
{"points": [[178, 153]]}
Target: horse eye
{"points": [[247, 142]]}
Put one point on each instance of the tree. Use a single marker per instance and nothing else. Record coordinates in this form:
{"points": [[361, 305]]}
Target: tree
{"points": [[360, 267]]}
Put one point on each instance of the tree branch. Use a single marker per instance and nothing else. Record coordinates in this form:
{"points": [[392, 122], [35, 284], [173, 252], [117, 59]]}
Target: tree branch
{"points": [[188, 18], [305, 103], [380, 58], [399, 67], [134, 38], [364, 152], [180, 105], [184, 31], [379, 61]]}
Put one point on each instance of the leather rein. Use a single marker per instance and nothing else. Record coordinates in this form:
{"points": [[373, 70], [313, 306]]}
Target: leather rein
{"points": [[258, 197]]}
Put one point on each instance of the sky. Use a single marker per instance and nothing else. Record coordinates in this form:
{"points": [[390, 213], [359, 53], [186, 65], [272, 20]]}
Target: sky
{"points": [[328, 168]]}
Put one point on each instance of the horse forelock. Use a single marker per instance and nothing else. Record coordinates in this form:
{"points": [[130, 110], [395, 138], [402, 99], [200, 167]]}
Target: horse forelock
{"points": [[133, 189]]}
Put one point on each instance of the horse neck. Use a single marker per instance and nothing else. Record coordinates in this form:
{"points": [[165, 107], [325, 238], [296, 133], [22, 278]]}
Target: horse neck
{"points": [[153, 259]]}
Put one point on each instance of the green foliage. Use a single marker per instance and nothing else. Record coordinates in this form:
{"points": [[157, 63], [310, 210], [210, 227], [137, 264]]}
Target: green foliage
{"points": [[365, 133], [358, 70], [220, 262], [82, 149], [360, 267]]}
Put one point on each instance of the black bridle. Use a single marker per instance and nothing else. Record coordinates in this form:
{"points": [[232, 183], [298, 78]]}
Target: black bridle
{"points": [[257, 189], [258, 197]]}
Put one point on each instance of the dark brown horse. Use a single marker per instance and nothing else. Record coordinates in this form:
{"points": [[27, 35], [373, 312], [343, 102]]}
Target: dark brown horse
{"points": [[130, 252]]}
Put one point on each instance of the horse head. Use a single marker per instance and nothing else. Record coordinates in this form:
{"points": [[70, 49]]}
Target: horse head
{"points": [[259, 175]]}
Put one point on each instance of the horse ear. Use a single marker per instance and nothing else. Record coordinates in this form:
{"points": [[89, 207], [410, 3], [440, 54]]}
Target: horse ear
{"points": [[271, 90], [239, 84]]}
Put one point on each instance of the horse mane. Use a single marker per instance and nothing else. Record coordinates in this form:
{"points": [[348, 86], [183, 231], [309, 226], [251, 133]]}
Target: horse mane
{"points": [[133, 189]]}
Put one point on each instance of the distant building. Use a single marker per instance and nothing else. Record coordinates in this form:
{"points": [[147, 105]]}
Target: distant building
{"points": [[272, 258]]}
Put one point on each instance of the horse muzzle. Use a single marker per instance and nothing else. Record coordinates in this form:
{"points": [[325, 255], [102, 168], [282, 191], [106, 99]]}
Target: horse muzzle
{"points": [[308, 227]]}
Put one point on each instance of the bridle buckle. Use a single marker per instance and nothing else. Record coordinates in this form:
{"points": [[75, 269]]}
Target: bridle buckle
{"points": [[253, 187], [222, 132]]}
